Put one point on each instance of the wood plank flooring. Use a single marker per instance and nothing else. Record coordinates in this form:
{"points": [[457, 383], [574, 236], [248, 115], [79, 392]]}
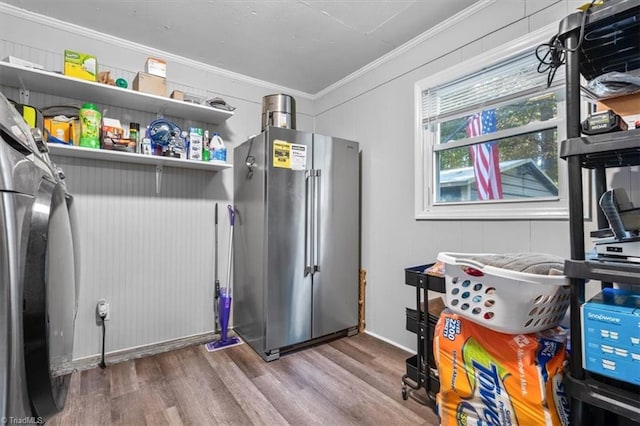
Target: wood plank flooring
{"points": [[350, 381]]}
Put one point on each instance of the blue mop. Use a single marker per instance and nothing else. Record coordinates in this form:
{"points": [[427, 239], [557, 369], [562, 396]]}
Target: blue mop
{"points": [[224, 301]]}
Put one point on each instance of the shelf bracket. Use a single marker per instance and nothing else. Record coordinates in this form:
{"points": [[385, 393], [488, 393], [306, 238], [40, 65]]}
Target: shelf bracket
{"points": [[24, 96], [158, 179]]}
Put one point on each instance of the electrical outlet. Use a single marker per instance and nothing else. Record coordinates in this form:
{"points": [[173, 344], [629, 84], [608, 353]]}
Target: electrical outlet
{"points": [[103, 310]]}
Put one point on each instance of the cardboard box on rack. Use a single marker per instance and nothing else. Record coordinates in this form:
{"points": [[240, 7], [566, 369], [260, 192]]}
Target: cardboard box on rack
{"points": [[148, 83], [628, 107], [611, 334], [622, 105]]}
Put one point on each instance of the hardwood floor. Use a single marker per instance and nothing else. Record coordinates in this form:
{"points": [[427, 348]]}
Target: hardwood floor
{"points": [[350, 381]]}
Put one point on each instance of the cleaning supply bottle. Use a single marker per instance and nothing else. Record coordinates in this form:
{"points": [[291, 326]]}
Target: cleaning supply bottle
{"points": [[205, 147], [217, 148], [90, 119], [134, 131]]}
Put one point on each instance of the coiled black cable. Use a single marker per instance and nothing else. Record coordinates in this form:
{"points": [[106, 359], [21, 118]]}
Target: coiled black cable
{"points": [[554, 57]]}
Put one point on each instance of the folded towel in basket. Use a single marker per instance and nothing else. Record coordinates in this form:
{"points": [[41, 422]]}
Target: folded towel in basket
{"points": [[532, 263]]}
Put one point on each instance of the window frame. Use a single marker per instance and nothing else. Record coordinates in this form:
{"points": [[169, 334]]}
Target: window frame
{"points": [[425, 166]]}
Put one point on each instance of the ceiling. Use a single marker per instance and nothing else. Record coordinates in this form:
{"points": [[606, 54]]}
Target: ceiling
{"points": [[306, 45]]}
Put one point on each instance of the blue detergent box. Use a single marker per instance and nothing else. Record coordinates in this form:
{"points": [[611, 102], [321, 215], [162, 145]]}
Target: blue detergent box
{"points": [[611, 334]]}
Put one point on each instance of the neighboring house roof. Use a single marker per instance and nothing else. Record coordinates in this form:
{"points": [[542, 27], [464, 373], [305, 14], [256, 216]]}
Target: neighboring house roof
{"points": [[464, 176]]}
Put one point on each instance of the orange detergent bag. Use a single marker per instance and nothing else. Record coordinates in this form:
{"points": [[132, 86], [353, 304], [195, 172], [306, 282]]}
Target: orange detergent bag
{"points": [[491, 378]]}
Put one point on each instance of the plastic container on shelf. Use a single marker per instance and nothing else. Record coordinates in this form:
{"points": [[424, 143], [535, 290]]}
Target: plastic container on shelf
{"points": [[134, 132], [90, 119], [503, 300], [217, 148]]}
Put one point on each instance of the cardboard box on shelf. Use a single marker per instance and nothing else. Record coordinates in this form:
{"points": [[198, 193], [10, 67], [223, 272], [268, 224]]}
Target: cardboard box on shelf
{"points": [[178, 95], [111, 130], [156, 67], [80, 65], [148, 83], [67, 131], [113, 136], [195, 143]]}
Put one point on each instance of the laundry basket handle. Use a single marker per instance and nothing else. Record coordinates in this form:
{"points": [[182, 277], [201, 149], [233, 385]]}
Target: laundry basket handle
{"points": [[453, 258], [469, 262]]}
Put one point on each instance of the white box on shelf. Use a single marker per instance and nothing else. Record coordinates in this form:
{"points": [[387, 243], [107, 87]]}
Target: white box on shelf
{"points": [[23, 62], [156, 67]]}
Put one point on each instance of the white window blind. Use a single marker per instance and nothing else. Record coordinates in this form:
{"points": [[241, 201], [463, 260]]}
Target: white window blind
{"points": [[491, 85]]}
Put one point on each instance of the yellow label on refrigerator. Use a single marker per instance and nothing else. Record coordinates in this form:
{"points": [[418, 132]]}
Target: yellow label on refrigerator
{"points": [[281, 154]]}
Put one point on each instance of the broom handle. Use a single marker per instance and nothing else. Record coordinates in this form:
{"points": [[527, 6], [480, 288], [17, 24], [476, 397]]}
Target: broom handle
{"points": [[232, 217]]}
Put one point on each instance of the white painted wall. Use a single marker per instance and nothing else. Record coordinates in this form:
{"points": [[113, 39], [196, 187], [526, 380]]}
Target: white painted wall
{"points": [[150, 256], [377, 109]]}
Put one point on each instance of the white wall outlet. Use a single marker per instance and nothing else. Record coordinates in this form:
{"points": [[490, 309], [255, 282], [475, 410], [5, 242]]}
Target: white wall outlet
{"points": [[103, 310]]}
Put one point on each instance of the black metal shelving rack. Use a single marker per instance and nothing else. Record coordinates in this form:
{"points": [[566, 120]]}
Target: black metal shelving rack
{"points": [[611, 42], [421, 367]]}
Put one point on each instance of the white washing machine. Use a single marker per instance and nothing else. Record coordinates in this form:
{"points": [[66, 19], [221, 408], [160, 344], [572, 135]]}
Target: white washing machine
{"points": [[38, 293]]}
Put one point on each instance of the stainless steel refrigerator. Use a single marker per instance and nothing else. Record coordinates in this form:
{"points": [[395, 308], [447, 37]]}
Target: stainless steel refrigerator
{"points": [[296, 239]]}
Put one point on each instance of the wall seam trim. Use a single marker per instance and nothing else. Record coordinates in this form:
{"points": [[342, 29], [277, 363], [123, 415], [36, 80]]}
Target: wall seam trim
{"points": [[443, 26]]}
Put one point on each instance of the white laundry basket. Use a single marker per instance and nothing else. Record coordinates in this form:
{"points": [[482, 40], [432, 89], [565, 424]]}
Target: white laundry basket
{"points": [[503, 300]]}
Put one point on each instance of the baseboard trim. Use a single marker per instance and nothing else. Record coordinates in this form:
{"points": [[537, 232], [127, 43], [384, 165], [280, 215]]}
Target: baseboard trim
{"points": [[391, 342], [115, 357]]}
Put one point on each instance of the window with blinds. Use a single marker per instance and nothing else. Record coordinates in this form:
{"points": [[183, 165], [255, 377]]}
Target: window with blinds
{"points": [[488, 140], [496, 84]]}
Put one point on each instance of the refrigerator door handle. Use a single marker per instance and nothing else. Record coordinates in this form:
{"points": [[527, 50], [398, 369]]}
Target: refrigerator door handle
{"points": [[316, 221], [308, 243]]}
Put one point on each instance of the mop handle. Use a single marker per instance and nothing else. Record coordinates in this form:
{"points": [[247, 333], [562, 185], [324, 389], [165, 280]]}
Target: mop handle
{"points": [[232, 216], [215, 267]]}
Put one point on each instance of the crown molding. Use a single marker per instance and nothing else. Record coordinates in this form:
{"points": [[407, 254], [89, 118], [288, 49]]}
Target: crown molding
{"points": [[442, 26], [122, 43]]}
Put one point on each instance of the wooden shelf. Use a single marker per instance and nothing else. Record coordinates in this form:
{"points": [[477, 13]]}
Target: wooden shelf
{"points": [[60, 85], [127, 157]]}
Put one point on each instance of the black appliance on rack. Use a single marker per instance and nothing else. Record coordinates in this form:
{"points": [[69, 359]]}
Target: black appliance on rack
{"points": [[604, 40]]}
